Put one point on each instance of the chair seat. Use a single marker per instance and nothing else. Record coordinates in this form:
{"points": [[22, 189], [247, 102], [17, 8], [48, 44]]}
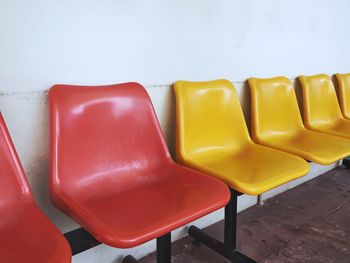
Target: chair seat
{"points": [[255, 169], [313, 146], [341, 128], [28, 236], [136, 215]]}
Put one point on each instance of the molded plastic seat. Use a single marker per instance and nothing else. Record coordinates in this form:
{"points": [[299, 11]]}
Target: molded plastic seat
{"points": [[212, 137], [344, 93], [277, 123], [26, 234], [111, 170], [320, 106]]}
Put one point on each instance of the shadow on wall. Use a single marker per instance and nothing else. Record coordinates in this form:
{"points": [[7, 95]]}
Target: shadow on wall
{"points": [[27, 117], [38, 172], [336, 85], [299, 95], [245, 101], [163, 100]]}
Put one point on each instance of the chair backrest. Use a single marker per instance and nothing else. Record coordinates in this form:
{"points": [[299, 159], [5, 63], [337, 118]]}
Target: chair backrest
{"points": [[275, 110], [344, 93], [320, 103], [14, 187], [209, 119], [104, 140]]}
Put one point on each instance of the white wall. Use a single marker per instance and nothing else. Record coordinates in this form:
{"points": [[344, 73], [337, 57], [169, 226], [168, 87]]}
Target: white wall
{"points": [[158, 42], [154, 43]]}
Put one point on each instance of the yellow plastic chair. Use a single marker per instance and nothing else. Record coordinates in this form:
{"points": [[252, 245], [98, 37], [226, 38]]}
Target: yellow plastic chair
{"points": [[320, 106], [277, 123], [344, 93], [212, 137]]}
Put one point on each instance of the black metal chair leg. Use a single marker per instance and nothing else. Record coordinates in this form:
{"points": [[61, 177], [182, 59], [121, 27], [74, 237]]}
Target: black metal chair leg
{"points": [[230, 223], [227, 248], [164, 248], [346, 162], [129, 259]]}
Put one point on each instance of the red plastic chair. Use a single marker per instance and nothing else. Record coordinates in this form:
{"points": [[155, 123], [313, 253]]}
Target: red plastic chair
{"points": [[26, 235], [111, 170]]}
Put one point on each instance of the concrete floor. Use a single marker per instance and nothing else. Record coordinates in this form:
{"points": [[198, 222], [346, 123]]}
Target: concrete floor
{"points": [[310, 223]]}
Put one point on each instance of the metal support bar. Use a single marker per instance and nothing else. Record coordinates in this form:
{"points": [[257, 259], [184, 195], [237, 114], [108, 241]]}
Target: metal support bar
{"points": [[129, 259], [207, 240], [260, 200], [80, 240], [227, 248], [164, 248], [346, 162], [230, 224]]}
